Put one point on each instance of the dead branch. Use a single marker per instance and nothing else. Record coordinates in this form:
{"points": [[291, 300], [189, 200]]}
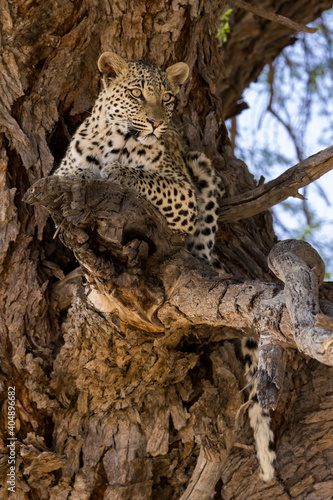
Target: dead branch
{"points": [[302, 270], [127, 230], [271, 193], [269, 14]]}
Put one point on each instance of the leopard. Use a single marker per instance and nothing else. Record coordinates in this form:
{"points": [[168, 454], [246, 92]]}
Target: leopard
{"points": [[129, 139]]}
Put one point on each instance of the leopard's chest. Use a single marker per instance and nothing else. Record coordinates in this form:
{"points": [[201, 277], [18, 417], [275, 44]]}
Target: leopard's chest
{"points": [[140, 156], [118, 145]]}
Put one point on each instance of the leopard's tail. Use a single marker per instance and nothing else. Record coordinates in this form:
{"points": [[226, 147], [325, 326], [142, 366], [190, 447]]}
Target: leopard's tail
{"points": [[259, 418]]}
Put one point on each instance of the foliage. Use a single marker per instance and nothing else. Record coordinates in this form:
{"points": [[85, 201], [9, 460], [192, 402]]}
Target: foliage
{"points": [[292, 118], [224, 27]]}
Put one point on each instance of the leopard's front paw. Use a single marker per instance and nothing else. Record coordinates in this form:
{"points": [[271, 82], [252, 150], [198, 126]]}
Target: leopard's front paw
{"points": [[112, 172]]}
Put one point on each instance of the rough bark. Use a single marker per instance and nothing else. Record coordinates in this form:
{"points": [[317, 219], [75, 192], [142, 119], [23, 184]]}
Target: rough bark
{"points": [[126, 384], [271, 193], [150, 298]]}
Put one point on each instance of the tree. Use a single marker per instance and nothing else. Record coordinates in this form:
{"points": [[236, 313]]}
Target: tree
{"points": [[289, 107], [126, 386]]}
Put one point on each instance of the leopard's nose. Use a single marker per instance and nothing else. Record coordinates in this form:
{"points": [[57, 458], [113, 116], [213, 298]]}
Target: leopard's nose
{"points": [[155, 123]]}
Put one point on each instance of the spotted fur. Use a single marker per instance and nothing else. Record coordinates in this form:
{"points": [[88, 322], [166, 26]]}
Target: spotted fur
{"points": [[260, 420], [128, 139]]}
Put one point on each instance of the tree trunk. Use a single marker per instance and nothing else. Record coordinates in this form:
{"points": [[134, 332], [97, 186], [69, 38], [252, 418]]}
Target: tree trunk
{"points": [[115, 338]]}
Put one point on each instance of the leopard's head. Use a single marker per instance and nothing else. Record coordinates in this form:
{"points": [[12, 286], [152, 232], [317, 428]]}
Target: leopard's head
{"points": [[140, 95]]}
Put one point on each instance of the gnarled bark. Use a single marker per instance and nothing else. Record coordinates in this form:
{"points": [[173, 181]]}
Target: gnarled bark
{"points": [[126, 383], [123, 244]]}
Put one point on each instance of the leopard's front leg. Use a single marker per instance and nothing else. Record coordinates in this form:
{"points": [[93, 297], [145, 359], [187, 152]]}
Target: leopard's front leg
{"points": [[171, 194]]}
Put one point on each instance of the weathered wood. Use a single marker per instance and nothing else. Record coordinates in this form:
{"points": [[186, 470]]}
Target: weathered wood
{"points": [[192, 293], [271, 370], [206, 474], [273, 192], [302, 270]]}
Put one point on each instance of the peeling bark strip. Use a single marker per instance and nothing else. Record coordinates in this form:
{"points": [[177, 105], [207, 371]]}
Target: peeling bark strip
{"points": [[207, 472], [9, 227], [302, 270]]}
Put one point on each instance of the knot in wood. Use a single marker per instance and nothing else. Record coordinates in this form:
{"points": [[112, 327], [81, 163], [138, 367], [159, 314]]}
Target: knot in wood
{"points": [[290, 256]]}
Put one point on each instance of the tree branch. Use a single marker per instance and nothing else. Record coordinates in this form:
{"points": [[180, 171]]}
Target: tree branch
{"points": [[271, 193], [112, 233], [302, 270], [137, 269], [139, 274], [269, 14]]}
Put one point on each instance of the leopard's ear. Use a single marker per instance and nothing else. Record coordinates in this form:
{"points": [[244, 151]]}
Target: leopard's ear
{"points": [[177, 74], [112, 65]]}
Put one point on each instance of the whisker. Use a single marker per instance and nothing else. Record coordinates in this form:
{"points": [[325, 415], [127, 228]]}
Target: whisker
{"points": [[179, 128]]}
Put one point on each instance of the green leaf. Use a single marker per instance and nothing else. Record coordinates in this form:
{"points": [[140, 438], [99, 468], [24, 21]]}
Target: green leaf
{"points": [[224, 27]]}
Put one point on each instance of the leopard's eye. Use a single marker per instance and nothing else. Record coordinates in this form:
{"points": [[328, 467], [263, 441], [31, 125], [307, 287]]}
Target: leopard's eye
{"points": [[167, 97], [136, 92]]}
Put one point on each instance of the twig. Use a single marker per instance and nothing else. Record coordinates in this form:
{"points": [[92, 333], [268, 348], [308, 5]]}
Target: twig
{"points": [[288, 128], [271, 193], [269, 14], [284, 123]]}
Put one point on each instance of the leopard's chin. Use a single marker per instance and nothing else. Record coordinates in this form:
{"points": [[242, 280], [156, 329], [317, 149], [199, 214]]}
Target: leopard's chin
{"points": [[144, 137], [147, 139]]}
